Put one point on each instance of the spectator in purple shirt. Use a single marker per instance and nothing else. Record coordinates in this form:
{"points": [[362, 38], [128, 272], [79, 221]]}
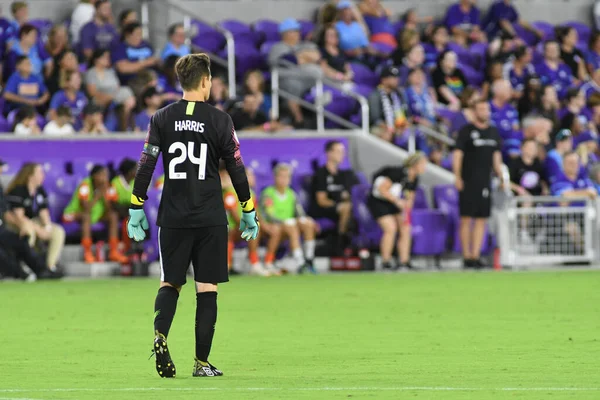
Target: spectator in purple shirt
{"points": [[463, 21], [592, 58], [586, 145], [552, 71], [573, 182], [152, 102], [132, 54], [415, 57], [99, 33], [574, 116], [519, 70], [502, 16], [28, 46], [554, 159], [72, 97], [20, 12], [504, 115], [24, 87], [438, 44]]}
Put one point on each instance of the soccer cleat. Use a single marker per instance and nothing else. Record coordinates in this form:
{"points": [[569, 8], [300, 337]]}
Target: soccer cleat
{"points": [[117, 256], [389, 266], [407, 265], [273, 270], [88, 257], [308, 266], [164, 365], [479, 264], [205, 369], [467, 263], [259, 269]]}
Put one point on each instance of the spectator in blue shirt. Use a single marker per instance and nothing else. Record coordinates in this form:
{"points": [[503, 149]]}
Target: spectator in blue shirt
{"points": [[70, 96], [20, 12], [574, 181], [592, 57], [420, 98], [415, 57], [463, 21], [438, 44], [152, 102], [519, 70], [554, 158], [354, 40], [99, 33], [552, 71], [27, 45], [502, 16], [24, 87], [132, 54], [176, 45]]}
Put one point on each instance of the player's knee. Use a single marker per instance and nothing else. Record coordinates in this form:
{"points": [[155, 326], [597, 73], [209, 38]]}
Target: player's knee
{"points": [[345, 208], [163, 284], [389, 229], [205, 287], [405, 229]]}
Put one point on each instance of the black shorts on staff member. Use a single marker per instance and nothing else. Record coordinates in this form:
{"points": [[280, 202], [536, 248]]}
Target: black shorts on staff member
{"points": [[475, 201]]}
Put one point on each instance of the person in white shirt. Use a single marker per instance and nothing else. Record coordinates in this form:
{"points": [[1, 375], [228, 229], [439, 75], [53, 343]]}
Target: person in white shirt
{"points": [[82, 14], [62, 124], [26, 122]]}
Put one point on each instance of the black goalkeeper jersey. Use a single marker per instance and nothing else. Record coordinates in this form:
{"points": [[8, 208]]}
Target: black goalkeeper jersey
{"points": [[193, 137]]}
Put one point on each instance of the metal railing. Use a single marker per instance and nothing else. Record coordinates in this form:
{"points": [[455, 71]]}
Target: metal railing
{"points": [[319, 106], [188, 16], [537, 231]]}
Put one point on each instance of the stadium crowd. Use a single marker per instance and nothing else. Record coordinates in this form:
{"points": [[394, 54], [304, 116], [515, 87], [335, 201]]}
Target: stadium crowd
{"points": [[97, 75]]}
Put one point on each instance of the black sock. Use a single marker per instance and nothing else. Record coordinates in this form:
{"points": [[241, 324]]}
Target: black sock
{"points": [[164, 309], [206, 318]]}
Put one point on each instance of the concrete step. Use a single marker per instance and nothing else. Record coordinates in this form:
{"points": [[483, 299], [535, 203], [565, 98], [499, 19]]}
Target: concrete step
{"points": [[95, 270]]}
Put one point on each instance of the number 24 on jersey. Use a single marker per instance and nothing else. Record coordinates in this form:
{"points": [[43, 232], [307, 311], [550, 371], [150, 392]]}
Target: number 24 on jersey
{"points": [[187, 153]]}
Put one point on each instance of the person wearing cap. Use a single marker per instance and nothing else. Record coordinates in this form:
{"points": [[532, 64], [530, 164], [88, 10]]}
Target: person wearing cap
{"points": [[354, 36], [586, 145], [386, 109], [554, 159], [152, 101], [100, 32], [91, 203], [62, 124], [298, 79], [93, 120]]}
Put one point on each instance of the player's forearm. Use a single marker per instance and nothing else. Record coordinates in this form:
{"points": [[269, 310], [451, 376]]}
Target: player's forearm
{"points": [[143, 177], [237, 172]]}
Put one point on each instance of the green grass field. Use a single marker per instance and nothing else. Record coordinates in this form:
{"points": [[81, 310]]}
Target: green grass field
{"points": [[376, 336]]}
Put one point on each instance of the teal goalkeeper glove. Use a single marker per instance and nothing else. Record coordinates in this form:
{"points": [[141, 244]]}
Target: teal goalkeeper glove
{"points": [[136, 224], [249, 225]]}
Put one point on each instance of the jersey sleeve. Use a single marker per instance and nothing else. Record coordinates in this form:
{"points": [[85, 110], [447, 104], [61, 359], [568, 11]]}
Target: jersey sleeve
{"points": [[230, 153], [462, 138], [147, 163], [16, 197], [42, 199]]}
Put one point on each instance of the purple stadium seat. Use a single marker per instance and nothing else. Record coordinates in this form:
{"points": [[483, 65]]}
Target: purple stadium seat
{"points": [[306, 28], [340, 104], [446, 113], [241, 31], [247, 58], [211, 41], [420, 199], [478, 53], [13, 164], [583, 31], [545, 27], [363, 90], [268, 29], [60, 189], [53, 167], [473, 76], [11, 117], [83, 166], [527, 36], [261, 165], [369, 233], [42, 25], [363, 75], [5, 126], [398, 26], [463, 55], [362, 179], [428, 232]]}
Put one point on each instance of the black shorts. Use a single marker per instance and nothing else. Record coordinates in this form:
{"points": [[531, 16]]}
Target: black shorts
{"points": [[205, 248], [475, 202], [325, 212], [380, 208]]}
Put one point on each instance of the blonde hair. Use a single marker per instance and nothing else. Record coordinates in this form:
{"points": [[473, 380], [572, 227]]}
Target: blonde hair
{"points": [[414, 159], [282, 167]]}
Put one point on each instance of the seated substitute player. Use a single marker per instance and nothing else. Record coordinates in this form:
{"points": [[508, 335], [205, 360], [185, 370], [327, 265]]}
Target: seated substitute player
{"points": [[280, 208], [234, 214], [391, 202], [92, 203], [193, 136]]}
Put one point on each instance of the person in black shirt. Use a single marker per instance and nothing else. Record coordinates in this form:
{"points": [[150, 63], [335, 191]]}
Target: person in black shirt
{"points": [[390, 203], [448, 80], [333, 62], [331, 187], [477, 152], [29, 212], [527, 173], [14, 248], [193, 136], [247, 116], [570, 54]]}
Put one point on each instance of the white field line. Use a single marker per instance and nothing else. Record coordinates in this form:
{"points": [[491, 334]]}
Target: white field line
{"points": [[311, 389]]}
